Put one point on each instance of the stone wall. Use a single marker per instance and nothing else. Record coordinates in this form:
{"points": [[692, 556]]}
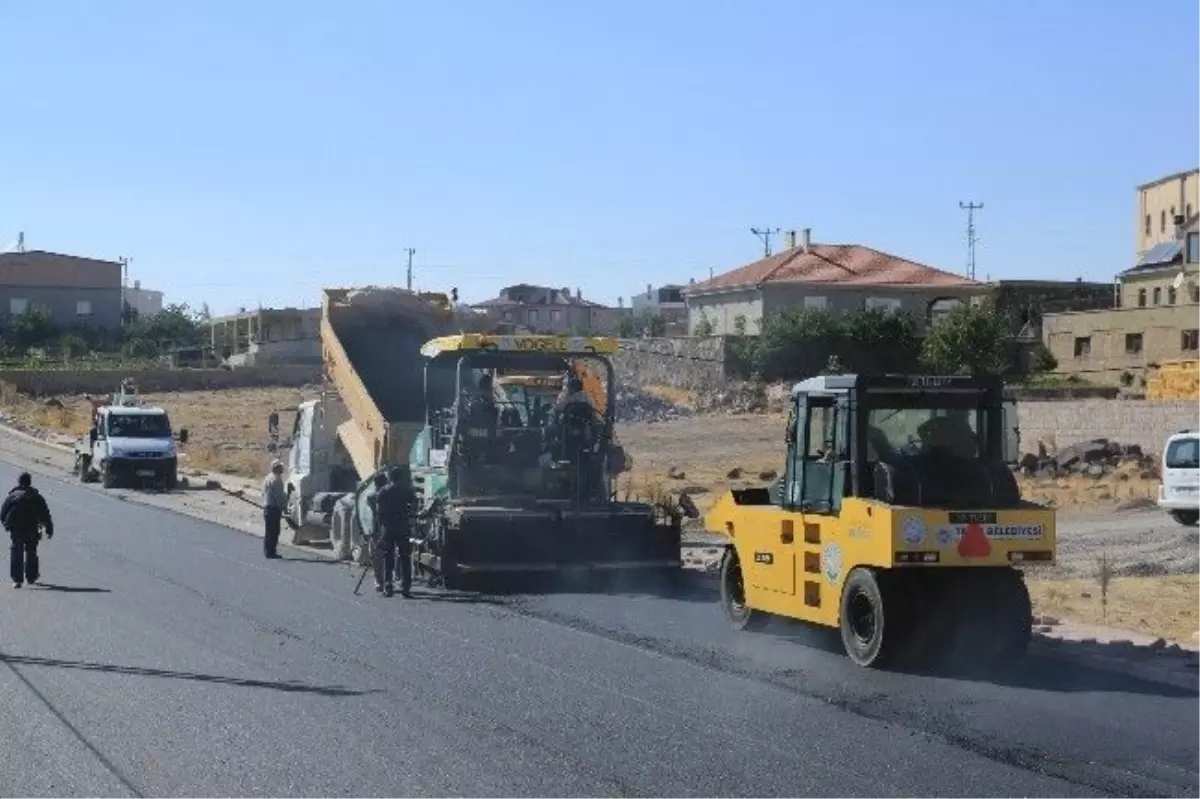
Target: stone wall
{"points": [[1147, 424], [103, 381], [687, 363]]}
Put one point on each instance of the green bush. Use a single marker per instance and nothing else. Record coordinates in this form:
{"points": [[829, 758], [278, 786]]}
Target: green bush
{"points": [[800, 342], [970, 340]]}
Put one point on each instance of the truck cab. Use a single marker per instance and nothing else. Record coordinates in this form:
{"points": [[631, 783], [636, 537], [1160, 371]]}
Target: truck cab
{"points": [[1179, 493], [129, 444]]}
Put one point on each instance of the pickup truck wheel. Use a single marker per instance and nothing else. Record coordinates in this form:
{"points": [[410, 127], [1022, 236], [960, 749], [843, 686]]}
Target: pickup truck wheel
{"points": [[1187, 518]]}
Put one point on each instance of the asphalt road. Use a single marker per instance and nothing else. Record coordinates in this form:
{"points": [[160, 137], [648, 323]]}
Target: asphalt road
{"points": [[166, 656]]}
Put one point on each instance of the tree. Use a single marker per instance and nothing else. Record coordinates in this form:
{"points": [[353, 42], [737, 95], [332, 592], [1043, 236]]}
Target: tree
{"points": [[173, 327], [971, 340], [704, 327], [33, 328]]}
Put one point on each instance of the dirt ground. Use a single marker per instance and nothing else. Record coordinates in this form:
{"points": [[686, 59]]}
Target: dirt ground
{"points": [[1154, 560], [227, 429]]}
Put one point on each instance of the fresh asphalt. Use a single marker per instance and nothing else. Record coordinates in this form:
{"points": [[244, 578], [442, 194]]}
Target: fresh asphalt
{"points": [[165, 656]]}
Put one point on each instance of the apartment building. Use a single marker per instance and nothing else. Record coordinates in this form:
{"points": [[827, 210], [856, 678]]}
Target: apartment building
{"points": [[71, 289]]}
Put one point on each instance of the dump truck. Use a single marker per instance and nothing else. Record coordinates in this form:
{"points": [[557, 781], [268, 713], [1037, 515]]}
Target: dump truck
{"points": [[129, 443], [898, 521], [370, 409], [507, 491]]}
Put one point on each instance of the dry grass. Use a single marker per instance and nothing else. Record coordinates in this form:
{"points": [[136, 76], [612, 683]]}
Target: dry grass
{"points": [[1078, 492], [227, 429], [1164, 607], [676, 396]]}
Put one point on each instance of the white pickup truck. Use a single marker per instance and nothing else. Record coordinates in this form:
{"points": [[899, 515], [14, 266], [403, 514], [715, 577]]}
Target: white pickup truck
{"points": [[129, 443]]}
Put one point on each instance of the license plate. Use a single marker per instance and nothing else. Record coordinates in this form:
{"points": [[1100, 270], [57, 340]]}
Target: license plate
{"points": [[145, 472]]}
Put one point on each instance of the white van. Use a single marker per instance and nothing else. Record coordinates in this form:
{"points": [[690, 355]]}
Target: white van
{"points": [[1179, 494]]}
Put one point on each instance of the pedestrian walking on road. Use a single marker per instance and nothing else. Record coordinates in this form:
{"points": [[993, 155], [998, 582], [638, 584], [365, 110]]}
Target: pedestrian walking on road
{"points": [[394, 506], [274, 504], [25, 514]]}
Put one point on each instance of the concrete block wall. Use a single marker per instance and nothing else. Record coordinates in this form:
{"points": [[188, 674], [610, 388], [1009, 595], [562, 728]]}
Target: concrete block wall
{"points": [[686, 363], [40, 383], [1141, 422]]}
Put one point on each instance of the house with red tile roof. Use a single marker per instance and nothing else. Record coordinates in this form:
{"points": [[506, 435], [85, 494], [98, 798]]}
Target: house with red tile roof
{"points": [[837, 277]]}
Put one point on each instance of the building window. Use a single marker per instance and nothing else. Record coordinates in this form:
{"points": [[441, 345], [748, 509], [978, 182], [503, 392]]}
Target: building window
{"points": [[1147, 224], [1162, 221], [555, 315], [532, 316], [1195, 292], [888, 304], [1189, 340], [1133, 343], [1193, 248], [1170, 295], [816, 302], [1158, 296], [1141, 298], [18, 306], [83, 308], [508, 317], [1083, 346]]}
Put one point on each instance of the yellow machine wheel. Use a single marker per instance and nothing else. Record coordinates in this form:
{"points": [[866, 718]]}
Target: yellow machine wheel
{"points": [[872, 618], [733, 595]]}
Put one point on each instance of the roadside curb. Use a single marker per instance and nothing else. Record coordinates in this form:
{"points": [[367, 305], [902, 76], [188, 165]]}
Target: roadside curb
{"points": [[134, 497], [1182, 673]]}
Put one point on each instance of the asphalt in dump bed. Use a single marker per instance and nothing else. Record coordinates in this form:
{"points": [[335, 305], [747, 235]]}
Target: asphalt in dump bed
{"points": [[165, 656], [388, 360]]}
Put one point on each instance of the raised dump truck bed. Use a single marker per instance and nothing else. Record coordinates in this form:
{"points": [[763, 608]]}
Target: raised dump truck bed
{"points": [[371, 345]]}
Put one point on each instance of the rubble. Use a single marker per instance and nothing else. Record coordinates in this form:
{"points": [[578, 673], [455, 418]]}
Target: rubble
{"points": [[635, 405], [733, 398], [1096, 458]]}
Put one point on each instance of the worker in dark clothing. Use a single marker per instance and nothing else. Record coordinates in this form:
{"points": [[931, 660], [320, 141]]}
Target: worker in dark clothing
{"points": [[24, 514], [394, 506]]}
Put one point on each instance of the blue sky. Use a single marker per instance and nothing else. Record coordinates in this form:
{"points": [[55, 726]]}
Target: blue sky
{"points": [[253, 152]]}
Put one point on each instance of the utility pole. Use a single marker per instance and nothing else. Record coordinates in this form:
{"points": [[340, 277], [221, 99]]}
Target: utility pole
{"points": [[410, 252], [972, 239], [765, 234], [124, 282]]}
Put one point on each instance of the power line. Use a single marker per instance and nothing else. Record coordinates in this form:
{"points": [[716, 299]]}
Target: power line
{"points": [[765, 235], [972, 239], [410, 252]]}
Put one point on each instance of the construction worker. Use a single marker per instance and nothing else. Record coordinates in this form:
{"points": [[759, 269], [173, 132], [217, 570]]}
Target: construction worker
{"points": [[24, 514], [274, 505], [572, 392], [394, 505]]}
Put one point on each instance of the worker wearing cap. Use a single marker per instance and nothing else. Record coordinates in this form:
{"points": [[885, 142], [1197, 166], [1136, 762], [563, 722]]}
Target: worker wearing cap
{"points": [[274, 504], [394, 506]]}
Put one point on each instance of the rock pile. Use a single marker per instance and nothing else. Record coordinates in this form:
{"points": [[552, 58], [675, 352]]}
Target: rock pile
{"points": [[733, 398], [635, 405], [1095, 458]]}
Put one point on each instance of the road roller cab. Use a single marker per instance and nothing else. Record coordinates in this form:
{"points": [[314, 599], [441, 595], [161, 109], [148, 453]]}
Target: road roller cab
{"points": [[898, 520]]}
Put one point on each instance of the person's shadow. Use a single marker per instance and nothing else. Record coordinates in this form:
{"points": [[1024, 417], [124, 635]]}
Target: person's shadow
{"points": [[70, 589]]}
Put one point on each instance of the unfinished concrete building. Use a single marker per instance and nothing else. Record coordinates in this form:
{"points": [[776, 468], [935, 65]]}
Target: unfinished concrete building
{"points": [[267, 336]]}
